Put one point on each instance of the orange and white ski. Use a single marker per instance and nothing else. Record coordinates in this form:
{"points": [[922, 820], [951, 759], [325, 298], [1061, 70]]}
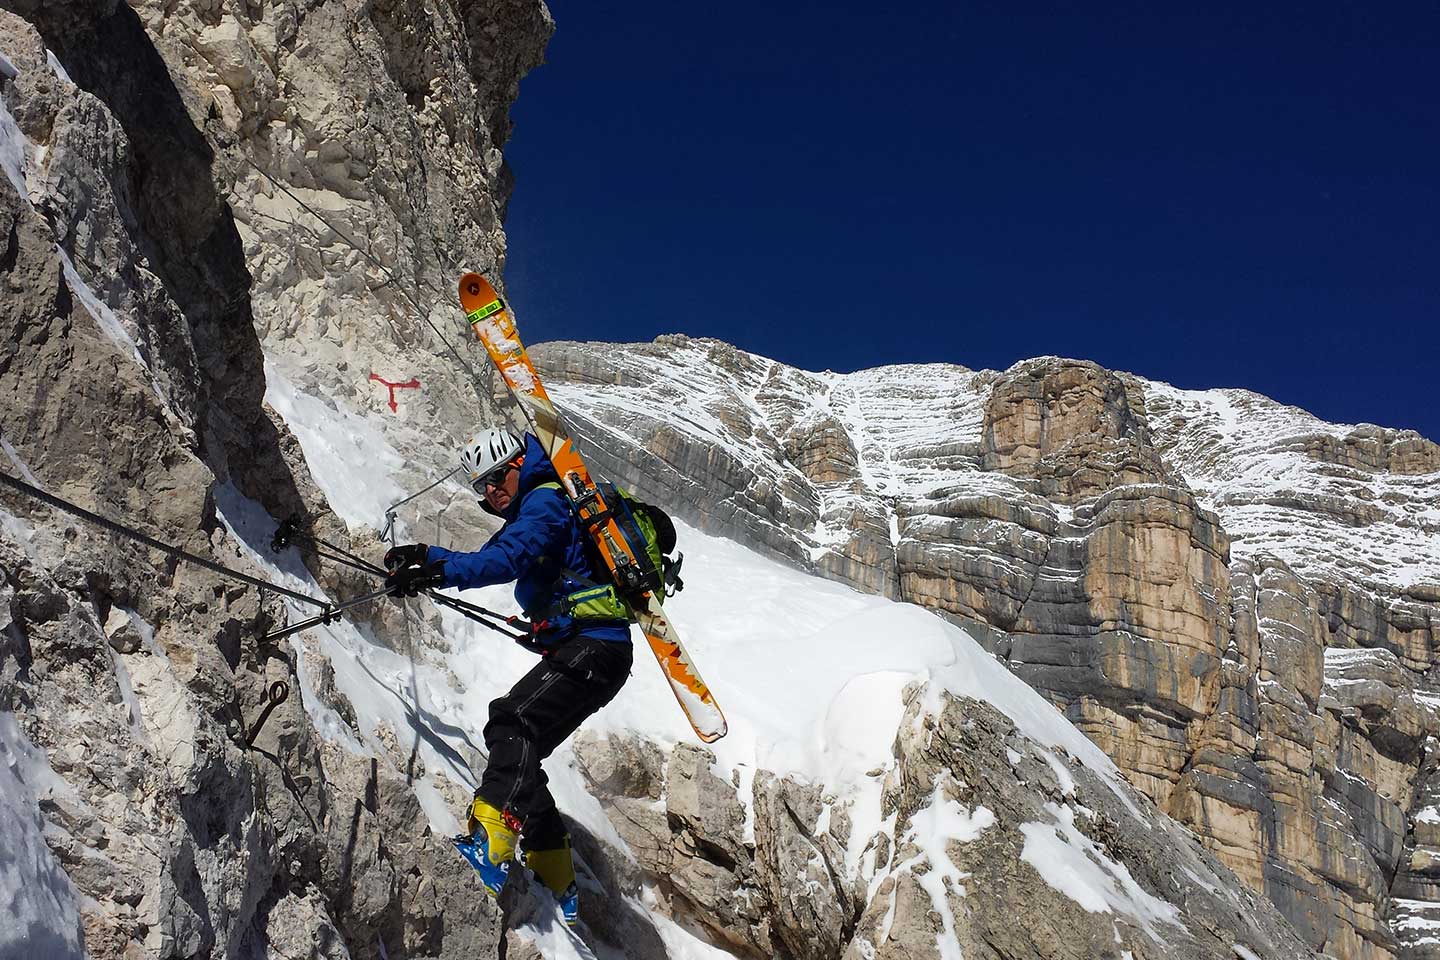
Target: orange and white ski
{"points": [[496, 329]]}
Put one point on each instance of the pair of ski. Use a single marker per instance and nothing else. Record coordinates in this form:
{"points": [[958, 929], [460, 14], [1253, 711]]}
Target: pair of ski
{"points": [[496, 329]]}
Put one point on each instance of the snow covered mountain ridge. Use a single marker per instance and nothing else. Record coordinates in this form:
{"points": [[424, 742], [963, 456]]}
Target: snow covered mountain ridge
{"points": [[1355, 502], [194, 350], [1236, 600]]}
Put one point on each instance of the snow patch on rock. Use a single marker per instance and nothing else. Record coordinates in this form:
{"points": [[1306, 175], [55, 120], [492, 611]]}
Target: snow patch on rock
{"points": [[1073, 864], [42, 917], [932, 829], [1255, 462], [349, 456], [57, 68], [15, 149], [103, 316]]}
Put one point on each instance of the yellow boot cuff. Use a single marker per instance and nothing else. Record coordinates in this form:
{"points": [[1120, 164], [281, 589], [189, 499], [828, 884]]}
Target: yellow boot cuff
{"points": [[555, 868]]}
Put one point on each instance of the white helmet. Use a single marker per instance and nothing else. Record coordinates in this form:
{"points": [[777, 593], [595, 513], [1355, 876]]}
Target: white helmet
{"points": [[488, 449]]}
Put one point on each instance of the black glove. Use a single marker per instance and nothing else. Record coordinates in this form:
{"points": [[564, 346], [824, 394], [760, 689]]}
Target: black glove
{"points": [[412, 581], [406, 555], [410, 570]]}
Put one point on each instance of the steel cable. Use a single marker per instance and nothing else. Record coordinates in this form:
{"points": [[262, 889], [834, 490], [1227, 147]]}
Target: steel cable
{"points": [[173, 551]]}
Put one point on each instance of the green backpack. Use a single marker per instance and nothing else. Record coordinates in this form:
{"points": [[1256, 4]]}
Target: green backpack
{"points": [[650, 534]]}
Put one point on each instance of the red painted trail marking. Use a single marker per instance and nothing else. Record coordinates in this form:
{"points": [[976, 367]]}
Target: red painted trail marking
{"points": [[410, 384]]}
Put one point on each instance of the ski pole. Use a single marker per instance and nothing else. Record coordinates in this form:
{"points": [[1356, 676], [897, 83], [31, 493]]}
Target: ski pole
{"points": [[289, 531], [480, 615]]}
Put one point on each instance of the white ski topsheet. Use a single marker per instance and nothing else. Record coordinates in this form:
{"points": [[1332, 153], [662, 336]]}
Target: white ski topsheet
{"points": [[706, 717]]}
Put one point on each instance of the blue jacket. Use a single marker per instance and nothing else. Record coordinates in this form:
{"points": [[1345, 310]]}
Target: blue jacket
{"points": [[540, 538]]}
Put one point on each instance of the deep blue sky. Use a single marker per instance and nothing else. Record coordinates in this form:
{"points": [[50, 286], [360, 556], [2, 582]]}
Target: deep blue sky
{"points": [[1244, 198]]}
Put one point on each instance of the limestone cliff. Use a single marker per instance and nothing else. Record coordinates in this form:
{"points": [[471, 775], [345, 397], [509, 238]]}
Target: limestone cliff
{"points": [[226, 226], [146, 262], [1237, 601]]}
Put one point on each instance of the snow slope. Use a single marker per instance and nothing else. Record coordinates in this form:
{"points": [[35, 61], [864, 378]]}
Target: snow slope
{"points": [[809, 672]]}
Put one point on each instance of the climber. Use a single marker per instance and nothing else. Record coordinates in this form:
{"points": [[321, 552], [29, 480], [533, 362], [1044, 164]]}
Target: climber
{"points": [[584, 631]]}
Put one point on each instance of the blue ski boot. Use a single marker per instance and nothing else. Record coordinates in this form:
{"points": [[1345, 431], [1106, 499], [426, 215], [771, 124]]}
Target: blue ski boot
{"points": [[490, 847]]}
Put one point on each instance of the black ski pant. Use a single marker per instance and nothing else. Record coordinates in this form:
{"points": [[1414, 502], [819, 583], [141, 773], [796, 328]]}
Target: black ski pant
{"points": [[545, 706]]}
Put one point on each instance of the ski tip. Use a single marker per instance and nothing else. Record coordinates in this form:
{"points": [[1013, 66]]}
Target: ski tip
{"points": [[476, 292], [710, 736]]}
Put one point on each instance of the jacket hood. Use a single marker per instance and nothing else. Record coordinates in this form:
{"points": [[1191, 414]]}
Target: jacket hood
{"points": [[536, 469]]}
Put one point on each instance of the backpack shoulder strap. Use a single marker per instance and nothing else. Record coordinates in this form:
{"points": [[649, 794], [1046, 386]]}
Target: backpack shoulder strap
{"points": [[575, 575]]}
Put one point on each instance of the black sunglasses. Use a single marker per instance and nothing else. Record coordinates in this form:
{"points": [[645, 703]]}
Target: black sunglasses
{"points": [[493, 479]]}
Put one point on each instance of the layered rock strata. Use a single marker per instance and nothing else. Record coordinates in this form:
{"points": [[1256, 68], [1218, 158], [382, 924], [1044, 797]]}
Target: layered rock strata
{"points": [[1180, 571]]}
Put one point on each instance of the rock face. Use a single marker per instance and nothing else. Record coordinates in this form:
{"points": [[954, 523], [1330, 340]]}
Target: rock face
{"points": [[975, 820], [1183, 573], [1074, 430], [135, 349]]}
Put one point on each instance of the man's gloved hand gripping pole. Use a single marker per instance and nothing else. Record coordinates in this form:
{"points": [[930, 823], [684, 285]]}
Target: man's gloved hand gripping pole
{"points": [[410, 571]]}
